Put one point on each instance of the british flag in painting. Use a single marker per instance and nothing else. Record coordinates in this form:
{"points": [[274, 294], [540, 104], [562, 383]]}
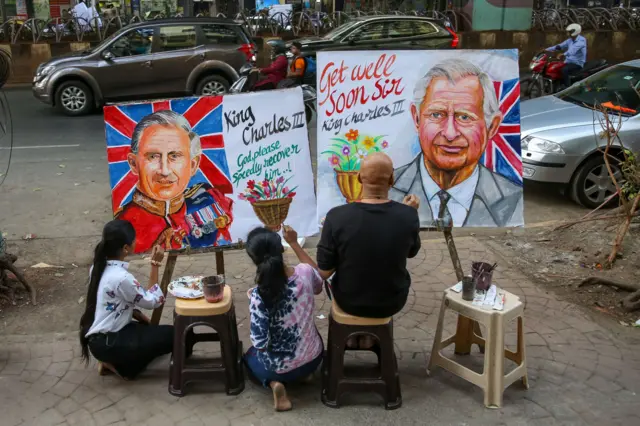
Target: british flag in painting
{"points": [[502, 154], [197, 213], [204, 115]]}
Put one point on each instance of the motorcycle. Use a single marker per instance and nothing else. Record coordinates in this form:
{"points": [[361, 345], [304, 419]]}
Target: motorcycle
{"points": [[546, 77], [249, 76]]}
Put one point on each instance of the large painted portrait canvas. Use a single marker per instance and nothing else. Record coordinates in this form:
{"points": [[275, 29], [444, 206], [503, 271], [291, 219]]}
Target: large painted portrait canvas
{"points": [[449, 120], [202, 172]]}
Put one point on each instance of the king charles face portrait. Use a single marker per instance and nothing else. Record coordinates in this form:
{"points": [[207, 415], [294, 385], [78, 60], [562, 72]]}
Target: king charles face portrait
{"points": [[163, 160]]}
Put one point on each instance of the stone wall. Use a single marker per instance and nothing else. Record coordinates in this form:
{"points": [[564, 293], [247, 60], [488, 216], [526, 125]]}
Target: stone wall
{"points": [[615, 46]]}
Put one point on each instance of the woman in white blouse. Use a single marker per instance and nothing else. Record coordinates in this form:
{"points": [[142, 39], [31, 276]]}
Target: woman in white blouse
{"points": [[107, 329]]}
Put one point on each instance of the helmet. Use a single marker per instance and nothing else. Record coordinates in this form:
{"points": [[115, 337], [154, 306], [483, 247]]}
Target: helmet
{"points": [[574, 29], [277, 46]]}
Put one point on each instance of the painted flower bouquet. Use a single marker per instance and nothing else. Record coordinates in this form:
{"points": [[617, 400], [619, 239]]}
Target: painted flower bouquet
{"points": [[345, 155], [270, 200]]}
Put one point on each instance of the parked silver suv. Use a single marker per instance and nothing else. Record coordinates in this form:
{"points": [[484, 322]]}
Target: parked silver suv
{"points": [[161, 58]]}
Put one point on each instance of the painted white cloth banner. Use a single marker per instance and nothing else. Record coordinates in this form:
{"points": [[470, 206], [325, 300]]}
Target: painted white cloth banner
{"points": [[449, 120], [203, 172], [270, 144]]}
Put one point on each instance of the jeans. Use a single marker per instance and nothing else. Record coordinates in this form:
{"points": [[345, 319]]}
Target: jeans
{"points": [[567, 70], [131, 349], [265, 376]]}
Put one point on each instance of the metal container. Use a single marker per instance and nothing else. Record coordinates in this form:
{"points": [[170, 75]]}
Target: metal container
{"points": [[468, 288]]}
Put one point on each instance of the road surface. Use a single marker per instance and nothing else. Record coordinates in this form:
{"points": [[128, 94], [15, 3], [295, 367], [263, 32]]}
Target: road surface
{"points": [[58, 188]]}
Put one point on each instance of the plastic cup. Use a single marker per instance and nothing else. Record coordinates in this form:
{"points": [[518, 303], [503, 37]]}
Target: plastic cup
{"points": [[213, 287]]}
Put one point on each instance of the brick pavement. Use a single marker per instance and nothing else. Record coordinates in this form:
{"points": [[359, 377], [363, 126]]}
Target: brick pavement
{"points": [[580, 373]]}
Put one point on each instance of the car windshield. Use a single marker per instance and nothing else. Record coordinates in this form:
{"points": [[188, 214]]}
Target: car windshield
{"points": [[340, 31], [615, 88]]}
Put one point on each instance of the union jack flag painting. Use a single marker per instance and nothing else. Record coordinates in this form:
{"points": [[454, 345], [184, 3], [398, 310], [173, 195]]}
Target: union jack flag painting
{"points": [[502, 154], [205, 117]]}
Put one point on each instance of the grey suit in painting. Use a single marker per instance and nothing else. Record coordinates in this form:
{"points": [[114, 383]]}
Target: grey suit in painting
{"points": [[497, 201]]}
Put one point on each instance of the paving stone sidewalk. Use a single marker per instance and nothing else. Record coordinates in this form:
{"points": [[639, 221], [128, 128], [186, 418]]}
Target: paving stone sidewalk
{"points": [[579, 372]]}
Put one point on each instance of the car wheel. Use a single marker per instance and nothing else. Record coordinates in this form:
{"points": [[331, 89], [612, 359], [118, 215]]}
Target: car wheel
{"points": [[212, 85], [74, 98], [592, 184]]}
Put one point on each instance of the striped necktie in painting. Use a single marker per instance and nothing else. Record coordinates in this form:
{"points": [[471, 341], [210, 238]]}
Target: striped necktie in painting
{"points": [[443, 212]]}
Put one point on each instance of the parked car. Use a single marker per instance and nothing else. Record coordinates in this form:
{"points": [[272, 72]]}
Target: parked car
{"points": [[385, 32], [560, 133], [161, 58]]}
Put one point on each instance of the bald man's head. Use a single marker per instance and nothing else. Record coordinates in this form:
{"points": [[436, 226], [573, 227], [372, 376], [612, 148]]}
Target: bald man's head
{"points": [[376, 173]]}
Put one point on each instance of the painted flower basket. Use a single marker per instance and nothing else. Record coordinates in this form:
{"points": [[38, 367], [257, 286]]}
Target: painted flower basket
{"points": [[272, 213], [270, 200], [345, 155]]}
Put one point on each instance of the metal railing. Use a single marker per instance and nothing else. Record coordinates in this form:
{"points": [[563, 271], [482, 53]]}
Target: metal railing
{"points": [[258, 23], [596, 18], [307, 22]]}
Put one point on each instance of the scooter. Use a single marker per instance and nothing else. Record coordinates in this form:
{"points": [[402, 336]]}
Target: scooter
{"points": [[248, 77], [546, 77]]}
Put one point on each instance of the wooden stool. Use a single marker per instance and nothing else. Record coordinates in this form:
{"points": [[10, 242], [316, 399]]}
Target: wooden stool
{"points": [[492, 380], [385, 381], [222, 318]]}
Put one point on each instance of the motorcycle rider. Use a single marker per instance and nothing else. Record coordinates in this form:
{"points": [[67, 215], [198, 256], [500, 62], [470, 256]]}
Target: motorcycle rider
{"points": [[575, 52], [277, 71], [295, 74]]}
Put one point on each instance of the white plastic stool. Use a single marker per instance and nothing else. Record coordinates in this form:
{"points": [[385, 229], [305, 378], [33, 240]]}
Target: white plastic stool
{"points": [[492, 380]]}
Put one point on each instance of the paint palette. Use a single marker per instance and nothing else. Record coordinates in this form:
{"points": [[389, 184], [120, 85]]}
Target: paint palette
{"points": [[187, 287]]}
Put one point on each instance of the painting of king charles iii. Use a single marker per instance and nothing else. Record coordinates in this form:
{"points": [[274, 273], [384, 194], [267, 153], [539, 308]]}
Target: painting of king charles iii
{"points": [[165, 155]]}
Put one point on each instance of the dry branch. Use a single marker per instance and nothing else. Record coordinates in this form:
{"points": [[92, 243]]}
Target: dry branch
{"points": [[589, 219], [610, 283], [6, 264], [622, 231], [630, 302]]}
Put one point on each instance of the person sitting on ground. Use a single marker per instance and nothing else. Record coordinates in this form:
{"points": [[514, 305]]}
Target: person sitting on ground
{"points": [[122, 346], [277, 71], [295, 75], [366, 244], [286, 344]]}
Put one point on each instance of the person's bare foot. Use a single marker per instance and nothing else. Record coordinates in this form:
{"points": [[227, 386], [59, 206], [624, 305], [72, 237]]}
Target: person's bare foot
{"points": [[367, 342], [104, 369], [280, 400]]}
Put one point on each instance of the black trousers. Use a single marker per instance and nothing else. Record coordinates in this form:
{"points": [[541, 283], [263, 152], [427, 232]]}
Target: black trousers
{"points": [[567, 70], [131, 349]]}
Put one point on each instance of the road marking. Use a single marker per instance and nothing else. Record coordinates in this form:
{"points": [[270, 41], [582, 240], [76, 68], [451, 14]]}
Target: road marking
{"points": [[42, 146]]}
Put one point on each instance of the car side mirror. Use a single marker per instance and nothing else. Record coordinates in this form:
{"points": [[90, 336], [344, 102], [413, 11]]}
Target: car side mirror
{"points": [[107, 55]]}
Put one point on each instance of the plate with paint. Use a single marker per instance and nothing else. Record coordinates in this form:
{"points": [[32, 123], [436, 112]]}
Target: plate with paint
{"points": [[187, 287]]}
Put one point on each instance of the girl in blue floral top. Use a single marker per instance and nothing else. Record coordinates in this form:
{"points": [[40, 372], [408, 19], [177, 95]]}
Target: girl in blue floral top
{"points": [[286, 343], [123, 346]]}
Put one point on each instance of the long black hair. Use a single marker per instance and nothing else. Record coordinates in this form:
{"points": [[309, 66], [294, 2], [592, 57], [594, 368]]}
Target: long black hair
{"points": [[115, 235], [264, 247]]}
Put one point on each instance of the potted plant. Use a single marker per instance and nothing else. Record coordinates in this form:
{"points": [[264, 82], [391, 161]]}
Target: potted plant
{"points": [[345, 155]]}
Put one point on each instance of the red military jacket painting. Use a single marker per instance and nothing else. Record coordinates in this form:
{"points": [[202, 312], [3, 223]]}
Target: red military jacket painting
{"points": [[201, 217]]}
